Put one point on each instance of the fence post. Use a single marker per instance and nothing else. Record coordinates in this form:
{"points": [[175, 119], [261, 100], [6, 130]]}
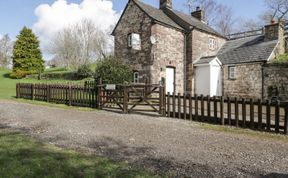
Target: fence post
{"points": [[237, 112], [259, 114], [125, 100], [251, 114], [168, 105], [98, 98], [209, 109], [268, 115], [17, 90], [48, 93], [229, 110], [179, 106], [202, 108], [286, 119], [32, 91], [185, 106], [277, 116], [222, 111], [215, 110], [243, 112], [70, 95]]}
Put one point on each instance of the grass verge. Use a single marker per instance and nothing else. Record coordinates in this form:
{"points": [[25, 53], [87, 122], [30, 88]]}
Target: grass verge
{"points": [[53, 105], [8, 85], [246, 132], [22, 156]]}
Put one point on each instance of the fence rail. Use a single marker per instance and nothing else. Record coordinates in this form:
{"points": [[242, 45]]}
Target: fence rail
{"points": [[246, 113], [72, 95]]}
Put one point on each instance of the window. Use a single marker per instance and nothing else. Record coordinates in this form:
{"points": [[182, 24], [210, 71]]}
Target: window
{"points": [[134, 41], [232, 72], [136, 77], [212, 44]]}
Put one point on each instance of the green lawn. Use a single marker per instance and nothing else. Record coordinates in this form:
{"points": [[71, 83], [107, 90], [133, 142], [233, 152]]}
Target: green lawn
{"points": [[8, 85], [22, 156]]}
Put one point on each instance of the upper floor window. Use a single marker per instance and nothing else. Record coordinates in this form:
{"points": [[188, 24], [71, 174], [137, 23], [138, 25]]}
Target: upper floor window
{"points": [[232, 72], [134, 41], [136, 77], [212, 44]]}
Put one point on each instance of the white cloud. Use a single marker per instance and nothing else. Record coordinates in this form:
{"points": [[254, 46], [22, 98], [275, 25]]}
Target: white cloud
{"points": [[52, 18]]}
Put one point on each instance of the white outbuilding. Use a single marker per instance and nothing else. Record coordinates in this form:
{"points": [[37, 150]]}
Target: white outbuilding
{"points": [[208, 76]]}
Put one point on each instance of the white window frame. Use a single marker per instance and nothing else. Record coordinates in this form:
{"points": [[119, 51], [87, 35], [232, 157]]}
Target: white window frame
{"points": [[135, 77], [130, 40], [212, 44], [134, 41], [232, 72]]}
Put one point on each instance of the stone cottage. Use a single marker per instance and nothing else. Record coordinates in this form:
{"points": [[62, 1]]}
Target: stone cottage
{"points": [[192, 57]]}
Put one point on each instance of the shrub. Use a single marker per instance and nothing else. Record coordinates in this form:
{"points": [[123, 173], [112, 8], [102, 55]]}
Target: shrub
{"points": [[283, 58], [113, 71], [84, 71]]}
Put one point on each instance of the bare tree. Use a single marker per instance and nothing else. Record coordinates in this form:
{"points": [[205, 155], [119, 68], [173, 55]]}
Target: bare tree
{"points": [[79, 44], [5, 51], [277, 9], [217, 15]]}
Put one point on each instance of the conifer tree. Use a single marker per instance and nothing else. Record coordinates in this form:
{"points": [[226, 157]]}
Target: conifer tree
{"points": [[27, 56]]}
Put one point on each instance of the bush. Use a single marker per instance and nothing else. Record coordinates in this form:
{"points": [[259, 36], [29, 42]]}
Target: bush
{"points": [[60, 76], [283, 58], [84, 71], [113, 71], [18, 74]]}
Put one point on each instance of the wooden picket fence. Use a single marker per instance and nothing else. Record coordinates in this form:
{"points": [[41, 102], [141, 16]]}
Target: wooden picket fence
{"points": [[246, 113], [72, 95]]}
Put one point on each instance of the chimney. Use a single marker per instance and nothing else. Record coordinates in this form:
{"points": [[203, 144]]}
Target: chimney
{"points": [[199, 14], [165, 4], [275, 31]]}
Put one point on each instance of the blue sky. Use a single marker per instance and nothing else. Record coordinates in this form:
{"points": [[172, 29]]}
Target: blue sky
{"points": [[14, 14]]}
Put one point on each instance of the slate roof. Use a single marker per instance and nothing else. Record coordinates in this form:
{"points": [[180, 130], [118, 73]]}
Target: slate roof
{"points": [[192, 21], [157, 14], [246, 50], [205, 60]]}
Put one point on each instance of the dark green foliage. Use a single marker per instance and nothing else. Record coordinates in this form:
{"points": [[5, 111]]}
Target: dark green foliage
{"points": [[27, 56], [84, 71], [281, 59], [59, 76], [113, 71]]}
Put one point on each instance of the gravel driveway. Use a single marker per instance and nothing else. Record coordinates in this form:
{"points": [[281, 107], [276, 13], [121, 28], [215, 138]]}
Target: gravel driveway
{"points": [[163, 145]]}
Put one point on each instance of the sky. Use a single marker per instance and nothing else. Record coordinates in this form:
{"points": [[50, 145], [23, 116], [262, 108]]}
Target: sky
{"points": [[46, 17]]}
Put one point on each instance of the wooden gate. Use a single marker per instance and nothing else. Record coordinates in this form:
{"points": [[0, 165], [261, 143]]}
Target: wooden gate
{"points": [[132, 98]]}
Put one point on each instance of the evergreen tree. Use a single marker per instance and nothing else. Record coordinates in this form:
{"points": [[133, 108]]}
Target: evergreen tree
{"points": [[27, 56]]}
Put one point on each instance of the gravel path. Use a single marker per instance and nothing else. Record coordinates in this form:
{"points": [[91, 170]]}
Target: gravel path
{"points": [[163, 145]]}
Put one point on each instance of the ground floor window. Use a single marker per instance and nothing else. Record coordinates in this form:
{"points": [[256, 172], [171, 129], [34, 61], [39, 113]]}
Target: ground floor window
{"points": [[136, 77], [232, 72]]}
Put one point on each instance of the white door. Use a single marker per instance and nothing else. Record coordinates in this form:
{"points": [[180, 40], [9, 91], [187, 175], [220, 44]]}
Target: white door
{"points": [[202, 77], [170, 80]]}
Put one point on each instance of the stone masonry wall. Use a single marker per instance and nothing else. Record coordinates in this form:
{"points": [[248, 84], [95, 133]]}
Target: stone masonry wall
{"points": [[134, 21], [198, 46], [151, 61], [275, 81], [168, 52], [248, 82]]}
